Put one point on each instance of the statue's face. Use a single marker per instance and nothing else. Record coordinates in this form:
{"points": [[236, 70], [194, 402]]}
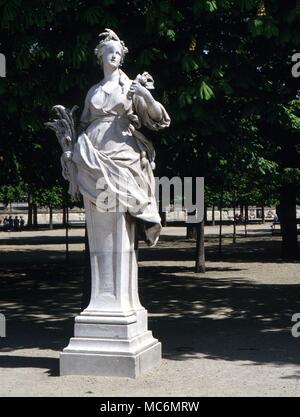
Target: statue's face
{"points": [[112, 55]]}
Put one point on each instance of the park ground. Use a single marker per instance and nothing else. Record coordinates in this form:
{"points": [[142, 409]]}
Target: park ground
{"points": [[224, 333]]}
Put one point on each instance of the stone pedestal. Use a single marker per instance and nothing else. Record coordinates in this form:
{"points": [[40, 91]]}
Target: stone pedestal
{"points": [[111, 335]]}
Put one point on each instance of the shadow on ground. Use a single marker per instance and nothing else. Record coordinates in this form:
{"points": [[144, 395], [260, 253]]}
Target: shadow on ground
{"points": [[19, 240], [231, 318], [250, 249]]}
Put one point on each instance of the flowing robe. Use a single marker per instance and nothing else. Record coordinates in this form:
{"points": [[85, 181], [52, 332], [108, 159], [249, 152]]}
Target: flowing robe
{"points": [[114, 159]]}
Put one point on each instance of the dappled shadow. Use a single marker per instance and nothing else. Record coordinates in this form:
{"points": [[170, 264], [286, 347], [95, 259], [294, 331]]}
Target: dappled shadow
{"points": [[229, 317], [11, 361], [45, 257], [39, 301], [39, 240], [222, 318], [247, 250], [170, 269]]}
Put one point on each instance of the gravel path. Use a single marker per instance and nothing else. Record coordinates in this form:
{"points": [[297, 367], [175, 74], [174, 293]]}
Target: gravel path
{"points": [[227, 332]]}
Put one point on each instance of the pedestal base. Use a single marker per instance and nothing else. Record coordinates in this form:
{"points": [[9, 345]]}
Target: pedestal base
{"points": [[110, 364], [110, 345], [111, 336]]}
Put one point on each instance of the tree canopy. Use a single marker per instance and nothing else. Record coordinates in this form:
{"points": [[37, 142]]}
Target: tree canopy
{"points": [[222, 69]]}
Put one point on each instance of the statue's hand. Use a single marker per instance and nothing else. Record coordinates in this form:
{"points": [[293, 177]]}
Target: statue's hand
{"points": [[139, 90]]}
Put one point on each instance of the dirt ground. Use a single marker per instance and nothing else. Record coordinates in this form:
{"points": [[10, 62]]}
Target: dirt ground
{"points": [[224, 333]]}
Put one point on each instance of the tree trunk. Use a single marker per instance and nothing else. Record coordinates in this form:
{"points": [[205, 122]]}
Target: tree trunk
{"points": [[234, 226], [246, 213], [246, 219], [163, 216], [191, 231], [50, 218], [200, 249], [288, 221], [220, 231], [242, 211], [67, 234], [64, 218], [29, 220], [213, 215], [35, 215], [205, 214], [263, 214], [221, 217]]}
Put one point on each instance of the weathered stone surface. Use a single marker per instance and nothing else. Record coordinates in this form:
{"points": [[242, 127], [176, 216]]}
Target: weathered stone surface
{"points": [[110, 163]]}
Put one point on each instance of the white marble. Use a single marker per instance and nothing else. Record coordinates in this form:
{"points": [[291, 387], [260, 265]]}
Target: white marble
{"points": [[113, 328], [111, 335]]}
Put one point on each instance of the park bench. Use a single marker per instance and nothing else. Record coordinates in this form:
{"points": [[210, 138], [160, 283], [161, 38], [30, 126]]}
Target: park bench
{"points": [[76, 223]]}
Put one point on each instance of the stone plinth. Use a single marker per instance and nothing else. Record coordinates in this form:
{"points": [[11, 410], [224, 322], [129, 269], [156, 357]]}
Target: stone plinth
{"points": [[111, 335]]}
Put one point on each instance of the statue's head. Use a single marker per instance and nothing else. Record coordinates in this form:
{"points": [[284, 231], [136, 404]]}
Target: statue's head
{"points": [[110, 50]]}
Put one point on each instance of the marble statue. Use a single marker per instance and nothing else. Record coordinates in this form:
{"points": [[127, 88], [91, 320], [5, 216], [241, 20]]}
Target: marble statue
{"points": [[107, 155]]}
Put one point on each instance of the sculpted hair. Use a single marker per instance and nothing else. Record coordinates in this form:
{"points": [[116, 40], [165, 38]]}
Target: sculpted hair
{"points": [[109, 35]]}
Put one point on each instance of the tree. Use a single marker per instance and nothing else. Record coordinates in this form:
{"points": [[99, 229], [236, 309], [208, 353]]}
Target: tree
{"points": [[49, 197]]}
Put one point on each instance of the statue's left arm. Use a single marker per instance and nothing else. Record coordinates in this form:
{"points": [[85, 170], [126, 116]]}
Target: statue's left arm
{"points": [[151, 113]]}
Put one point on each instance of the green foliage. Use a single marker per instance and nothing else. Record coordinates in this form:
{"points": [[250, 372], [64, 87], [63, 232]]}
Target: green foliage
{"points": [[265, 27], [49, 197], [10, 193], [206, 93], [223, 69]]}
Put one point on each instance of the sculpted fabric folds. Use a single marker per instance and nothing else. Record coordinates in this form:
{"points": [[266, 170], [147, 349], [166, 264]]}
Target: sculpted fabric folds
{"points": [[111, 148]]}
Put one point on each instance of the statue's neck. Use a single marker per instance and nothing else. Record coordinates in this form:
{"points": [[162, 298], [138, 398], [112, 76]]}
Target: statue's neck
{"points": [[111, 75]]}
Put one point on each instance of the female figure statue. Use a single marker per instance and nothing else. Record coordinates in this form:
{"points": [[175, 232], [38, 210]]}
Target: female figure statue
{"points": [[111, 158]]}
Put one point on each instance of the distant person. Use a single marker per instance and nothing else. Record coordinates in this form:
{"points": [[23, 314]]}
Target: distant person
{"points": [[240, 218], [10, 223], [16, 224], [275, 218], [22, 223], [5, 224]]}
